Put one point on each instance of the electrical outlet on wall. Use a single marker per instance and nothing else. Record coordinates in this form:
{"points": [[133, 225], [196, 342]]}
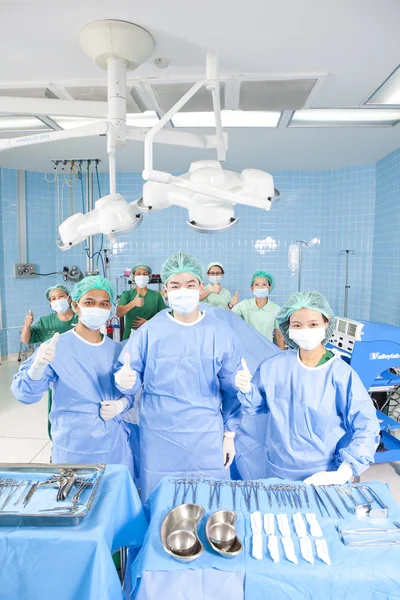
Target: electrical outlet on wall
{"points": [[24, 271]]}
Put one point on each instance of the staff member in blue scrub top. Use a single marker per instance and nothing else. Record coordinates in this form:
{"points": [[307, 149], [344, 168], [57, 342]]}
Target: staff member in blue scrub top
{"points": [[321, 423], [86, 416]]}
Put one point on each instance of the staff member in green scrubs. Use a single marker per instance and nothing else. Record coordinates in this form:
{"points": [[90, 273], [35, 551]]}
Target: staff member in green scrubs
{"points": [[60, 321], [214, 293], [141, 304], [260, 311]]}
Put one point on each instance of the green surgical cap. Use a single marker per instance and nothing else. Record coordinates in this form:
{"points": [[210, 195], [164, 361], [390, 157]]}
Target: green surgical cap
{"points": [[93, 282], [265, 274], [181, 263], [311, 300], [61, 287], [141, 266]]}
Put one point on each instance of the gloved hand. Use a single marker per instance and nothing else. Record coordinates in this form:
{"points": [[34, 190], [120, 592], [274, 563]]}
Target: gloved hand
{"points": [[111, 408], [44, 356], [126, 377], [243, 379], [342, 475], [228, 448]]}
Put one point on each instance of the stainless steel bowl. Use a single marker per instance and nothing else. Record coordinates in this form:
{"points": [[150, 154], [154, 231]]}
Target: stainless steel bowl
{"points": [[225, 519], [183, 518], [182, 542], [222, 535]]}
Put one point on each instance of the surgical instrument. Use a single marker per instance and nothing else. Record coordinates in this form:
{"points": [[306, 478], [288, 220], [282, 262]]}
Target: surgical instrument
{"points": [[320, 500], [22, 493], [335, 508], [30, 493]]}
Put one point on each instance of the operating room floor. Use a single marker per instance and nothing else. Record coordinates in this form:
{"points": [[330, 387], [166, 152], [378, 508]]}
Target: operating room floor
{"points": [[24, 439]]}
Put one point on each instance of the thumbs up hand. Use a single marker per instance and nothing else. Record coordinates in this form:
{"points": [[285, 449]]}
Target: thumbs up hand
{"points": [[235, 299], [126, 378], [44, 356], [243, 378], [138, 301], [29, 318]]}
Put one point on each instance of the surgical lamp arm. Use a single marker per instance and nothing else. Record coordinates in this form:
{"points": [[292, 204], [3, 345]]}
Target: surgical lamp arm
{"points": [[176, 138], [213, 86], [99, 128]]}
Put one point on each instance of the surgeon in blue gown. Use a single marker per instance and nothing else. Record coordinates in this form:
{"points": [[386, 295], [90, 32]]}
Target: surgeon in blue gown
{"points": [[251, 435], [321, 423], [86, 415], [187, 361]]}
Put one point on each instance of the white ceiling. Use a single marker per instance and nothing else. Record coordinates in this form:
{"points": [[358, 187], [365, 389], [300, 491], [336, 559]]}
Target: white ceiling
{"points": [[356, 43]]}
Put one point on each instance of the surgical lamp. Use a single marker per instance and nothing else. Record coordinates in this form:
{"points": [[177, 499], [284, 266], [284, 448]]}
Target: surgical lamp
{"points": [[207, 191]]}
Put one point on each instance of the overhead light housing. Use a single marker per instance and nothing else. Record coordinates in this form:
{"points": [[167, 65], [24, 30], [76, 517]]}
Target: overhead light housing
{"points": [[388, 93], [230, 118], [345, 117], [17, 123], [145, 119]]}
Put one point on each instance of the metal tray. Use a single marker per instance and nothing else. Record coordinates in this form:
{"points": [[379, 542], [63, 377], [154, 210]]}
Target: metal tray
{"points": [[28, 519]]}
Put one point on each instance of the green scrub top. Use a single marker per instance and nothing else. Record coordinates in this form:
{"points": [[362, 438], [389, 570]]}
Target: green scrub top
{"points": [[153, 303], [220, 300], [327, 356], [47, 326], [262, 319]]}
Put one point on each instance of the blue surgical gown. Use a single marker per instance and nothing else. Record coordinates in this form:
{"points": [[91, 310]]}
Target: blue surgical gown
{"points": [[189, 396], [250, 440], [81, 376], [309, 412]]}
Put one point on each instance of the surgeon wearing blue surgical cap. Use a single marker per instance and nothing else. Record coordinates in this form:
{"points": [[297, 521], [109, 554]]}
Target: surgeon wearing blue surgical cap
{"points": [[86, 413], [312, 399], [186, 361]]}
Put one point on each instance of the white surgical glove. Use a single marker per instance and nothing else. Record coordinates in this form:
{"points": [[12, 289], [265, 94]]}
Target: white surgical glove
{"points": [[44, 356], [111, 408], [243, 379], [126, 377], [342, 475], [228, 448]]}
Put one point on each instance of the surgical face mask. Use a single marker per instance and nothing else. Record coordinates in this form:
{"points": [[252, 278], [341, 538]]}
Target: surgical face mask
{"points": [[93, 318], [184, 301], [60, 306], [308, 339], [262, 293], [214, 279], [142, 280]]}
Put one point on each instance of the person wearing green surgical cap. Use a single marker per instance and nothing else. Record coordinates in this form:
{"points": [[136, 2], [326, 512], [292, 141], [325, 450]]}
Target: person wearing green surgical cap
{"points": [[87, 410], [184, 360], [140, 304], [213, 292], [61, 320], [260, 312], [321, 423]]}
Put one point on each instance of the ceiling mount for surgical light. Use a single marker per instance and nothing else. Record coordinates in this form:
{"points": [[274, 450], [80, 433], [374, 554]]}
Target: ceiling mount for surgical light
{"points": [[112, 39]]}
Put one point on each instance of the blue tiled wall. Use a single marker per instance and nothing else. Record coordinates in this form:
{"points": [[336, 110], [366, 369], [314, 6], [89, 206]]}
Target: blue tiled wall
{"points": [[385, 287], [337, 206]]}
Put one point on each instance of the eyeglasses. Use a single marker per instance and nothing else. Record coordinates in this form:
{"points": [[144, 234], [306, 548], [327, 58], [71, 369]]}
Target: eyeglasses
{"points": [[213, 273]]}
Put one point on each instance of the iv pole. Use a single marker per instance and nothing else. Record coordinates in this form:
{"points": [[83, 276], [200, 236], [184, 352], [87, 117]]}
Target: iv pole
{"points": [[300, 242], [346, 287]]}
